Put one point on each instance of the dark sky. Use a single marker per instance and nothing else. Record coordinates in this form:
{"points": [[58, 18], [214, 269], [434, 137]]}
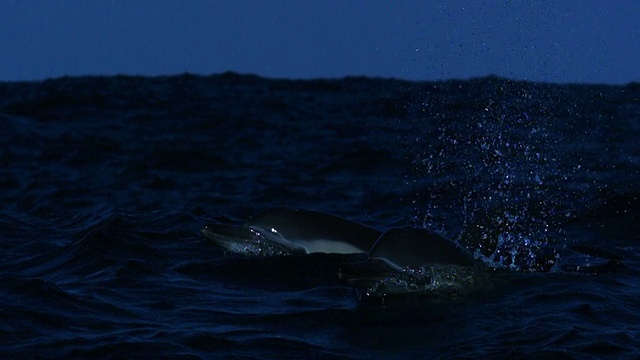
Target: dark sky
{"points": [[586, 41]]}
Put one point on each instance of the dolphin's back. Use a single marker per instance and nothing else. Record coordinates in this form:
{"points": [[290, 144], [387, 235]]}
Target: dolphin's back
{"points": [[415, 246], [315, 231]]}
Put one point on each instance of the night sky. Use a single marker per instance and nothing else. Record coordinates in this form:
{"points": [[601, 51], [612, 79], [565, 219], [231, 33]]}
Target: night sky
{"points": [[553, 41]]}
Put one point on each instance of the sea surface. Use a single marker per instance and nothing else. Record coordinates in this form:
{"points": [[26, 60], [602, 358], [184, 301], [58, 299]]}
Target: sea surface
{"points": [[106, 182]]}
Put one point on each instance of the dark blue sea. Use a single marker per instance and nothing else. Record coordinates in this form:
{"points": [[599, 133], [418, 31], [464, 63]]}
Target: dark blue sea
{"points": [[106, 182]]}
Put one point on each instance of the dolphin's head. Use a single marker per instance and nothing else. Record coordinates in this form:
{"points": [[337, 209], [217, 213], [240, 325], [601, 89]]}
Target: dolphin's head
{"points": [[243, 240], [313, 232]]}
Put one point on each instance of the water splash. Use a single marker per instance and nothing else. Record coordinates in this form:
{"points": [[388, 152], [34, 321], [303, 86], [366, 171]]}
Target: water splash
{"points": [[501, 177]]}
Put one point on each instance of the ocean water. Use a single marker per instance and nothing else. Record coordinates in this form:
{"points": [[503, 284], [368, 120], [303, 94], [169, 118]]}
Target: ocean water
{"points": [[106, 182]]}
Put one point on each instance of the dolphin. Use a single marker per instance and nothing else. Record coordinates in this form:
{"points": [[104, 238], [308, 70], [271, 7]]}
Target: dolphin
{"points": [[287, 231]]}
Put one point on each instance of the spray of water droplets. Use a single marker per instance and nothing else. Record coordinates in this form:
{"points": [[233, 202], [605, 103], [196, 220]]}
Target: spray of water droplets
{"points": [[491, 174]]}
